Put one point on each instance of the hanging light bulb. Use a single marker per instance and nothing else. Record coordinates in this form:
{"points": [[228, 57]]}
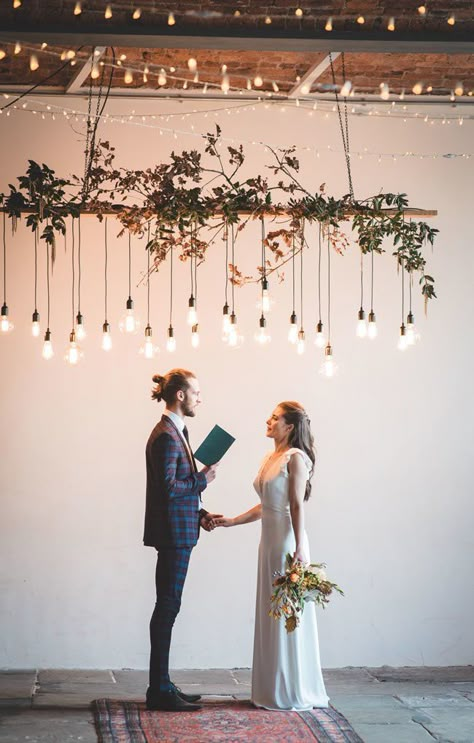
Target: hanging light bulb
{"points": [[225, 83], [129, 323], [402, 341], [300, 345], [162, 77], [149, 350], [195, 336], [361, 330], [234, 339], [171, 341], [266, 301], [77, 8], [384, 91], [293, 329], [171, 19], [391, 24], [137, 14], [95, 71], [34, 64], [262, 336], [80, 329], [192, 317], [73, 352], [5, 325], [320, 340], [225, 322], [328, 26], [35, 324], [47, 352], [328, 367], [128, 77], [412, 334], [108, 12], [372, 326], [16, 4], [17, 49], [106, 337]]}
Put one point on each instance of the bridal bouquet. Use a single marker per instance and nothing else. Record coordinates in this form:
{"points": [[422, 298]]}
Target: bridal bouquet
{"points": [[299, 583]]}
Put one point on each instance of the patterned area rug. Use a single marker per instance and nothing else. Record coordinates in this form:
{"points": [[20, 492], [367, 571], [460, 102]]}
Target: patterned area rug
{"points": [[232, 722]]}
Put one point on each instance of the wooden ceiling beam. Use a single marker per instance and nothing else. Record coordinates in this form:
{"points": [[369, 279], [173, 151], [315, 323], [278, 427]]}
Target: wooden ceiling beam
{"points": [[381, 42]]}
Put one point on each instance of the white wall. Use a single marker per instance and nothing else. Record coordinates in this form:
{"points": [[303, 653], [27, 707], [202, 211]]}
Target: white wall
{"points": [[392, 508]]}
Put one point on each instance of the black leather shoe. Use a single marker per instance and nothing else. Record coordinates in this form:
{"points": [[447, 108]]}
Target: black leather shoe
{"points": [[171, 702], [183, 695]]}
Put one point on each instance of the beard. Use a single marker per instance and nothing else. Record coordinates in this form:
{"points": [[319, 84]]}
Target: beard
{"points": [[188, 411]]}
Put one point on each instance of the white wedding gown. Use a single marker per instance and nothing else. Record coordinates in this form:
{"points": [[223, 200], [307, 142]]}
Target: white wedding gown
{"points": [[286, 672]]}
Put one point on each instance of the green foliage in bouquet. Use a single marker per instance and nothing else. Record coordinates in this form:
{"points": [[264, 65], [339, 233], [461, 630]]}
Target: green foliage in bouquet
{"points": [[298, 584]]}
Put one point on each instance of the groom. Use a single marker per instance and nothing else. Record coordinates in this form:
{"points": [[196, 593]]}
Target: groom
{"points": [[172, 518]]}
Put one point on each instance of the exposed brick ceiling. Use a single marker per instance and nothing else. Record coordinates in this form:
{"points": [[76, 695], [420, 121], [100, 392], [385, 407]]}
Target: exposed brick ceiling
{"points": [[281, 52]]}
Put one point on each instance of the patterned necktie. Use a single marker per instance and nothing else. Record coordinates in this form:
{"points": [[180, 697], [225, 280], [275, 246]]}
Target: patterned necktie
{"points": [[186, 436]]}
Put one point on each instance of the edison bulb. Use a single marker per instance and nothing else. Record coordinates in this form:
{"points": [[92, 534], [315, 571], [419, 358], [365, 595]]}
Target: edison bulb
{"points": [[402, 341], [361, 329], [300, 345], [412, 334], [80, 329], [192, 317], [129, 323], [195, 336], [320, 340], [47, 352], [171, 340], [262, 336], [5, 325], [35, 326], [106, 337], [73, 352], [328, 368], [293, 329]]}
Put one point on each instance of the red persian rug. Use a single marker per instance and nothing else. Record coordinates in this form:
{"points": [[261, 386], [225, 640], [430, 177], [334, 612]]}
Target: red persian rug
{"points": [[129, 722]]}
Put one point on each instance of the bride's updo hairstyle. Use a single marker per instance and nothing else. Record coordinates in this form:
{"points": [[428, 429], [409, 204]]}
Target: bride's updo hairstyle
{"points": [[301, 436], [167, 386]]}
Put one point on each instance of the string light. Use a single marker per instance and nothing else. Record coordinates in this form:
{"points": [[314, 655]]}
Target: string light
{"points": [[73, 351], [328, 368], [16, 4], [17, 49], [35, 319], [77, 8], [391, 24], [129, 323], [171, 19], [298, 12], [384, 91], [328, 26], [459, 89], [361, 20], [47, 351], [106, 334], [108, 12], [422, 10], [128, 77], [451, 20], [137, 14], [34, 64], [171, 340], [149, 350], [6, 326], [80, 328], [319, 339], [293, 329], [417, 88]]}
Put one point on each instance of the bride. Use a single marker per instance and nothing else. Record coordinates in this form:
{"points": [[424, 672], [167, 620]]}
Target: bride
{"points": [[286, 672]]}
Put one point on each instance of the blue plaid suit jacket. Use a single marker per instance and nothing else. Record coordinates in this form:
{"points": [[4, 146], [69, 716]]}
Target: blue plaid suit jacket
{"points": [[172, 490]]}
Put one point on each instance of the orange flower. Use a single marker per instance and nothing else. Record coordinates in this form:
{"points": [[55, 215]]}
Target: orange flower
{"points": [[294, 577]]}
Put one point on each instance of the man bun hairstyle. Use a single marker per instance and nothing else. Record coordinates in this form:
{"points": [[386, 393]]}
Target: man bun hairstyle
{"points": [[301, 436], [168, 386]]}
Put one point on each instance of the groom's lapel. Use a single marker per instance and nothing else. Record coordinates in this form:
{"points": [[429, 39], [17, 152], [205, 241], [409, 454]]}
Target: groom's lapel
{"points": [[166, 420]]}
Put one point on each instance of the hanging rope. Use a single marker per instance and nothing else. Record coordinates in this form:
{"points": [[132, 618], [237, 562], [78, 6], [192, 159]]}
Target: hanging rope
{"points": [[73, 272], [344, 127], [319, 271], [36, 268]]}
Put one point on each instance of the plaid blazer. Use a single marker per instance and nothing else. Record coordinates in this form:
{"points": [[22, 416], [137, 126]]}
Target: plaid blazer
{"points": [[172, 490]]}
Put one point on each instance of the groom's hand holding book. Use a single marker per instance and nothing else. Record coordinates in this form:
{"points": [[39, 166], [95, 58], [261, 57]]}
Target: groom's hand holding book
{"points": [[210, 452]]}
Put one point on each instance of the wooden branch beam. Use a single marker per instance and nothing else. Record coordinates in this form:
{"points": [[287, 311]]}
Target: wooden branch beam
{"points": [[269, 212]]}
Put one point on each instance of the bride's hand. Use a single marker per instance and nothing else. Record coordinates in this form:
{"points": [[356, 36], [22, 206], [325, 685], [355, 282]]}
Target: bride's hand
{"points": [[300, 556], [223, 521]]}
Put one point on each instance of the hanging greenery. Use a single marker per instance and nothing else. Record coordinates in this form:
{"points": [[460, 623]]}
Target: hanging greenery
{"points": [[201, 195]]}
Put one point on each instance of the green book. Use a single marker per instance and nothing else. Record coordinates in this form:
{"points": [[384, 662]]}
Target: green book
{"points": [[214, 446]]}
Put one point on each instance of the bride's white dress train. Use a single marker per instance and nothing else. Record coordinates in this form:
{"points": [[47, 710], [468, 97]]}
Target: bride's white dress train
{"points": [[286, 672]]}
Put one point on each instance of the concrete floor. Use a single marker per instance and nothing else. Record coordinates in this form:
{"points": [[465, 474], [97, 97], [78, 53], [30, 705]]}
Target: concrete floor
{"points": [[385, 705]]}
